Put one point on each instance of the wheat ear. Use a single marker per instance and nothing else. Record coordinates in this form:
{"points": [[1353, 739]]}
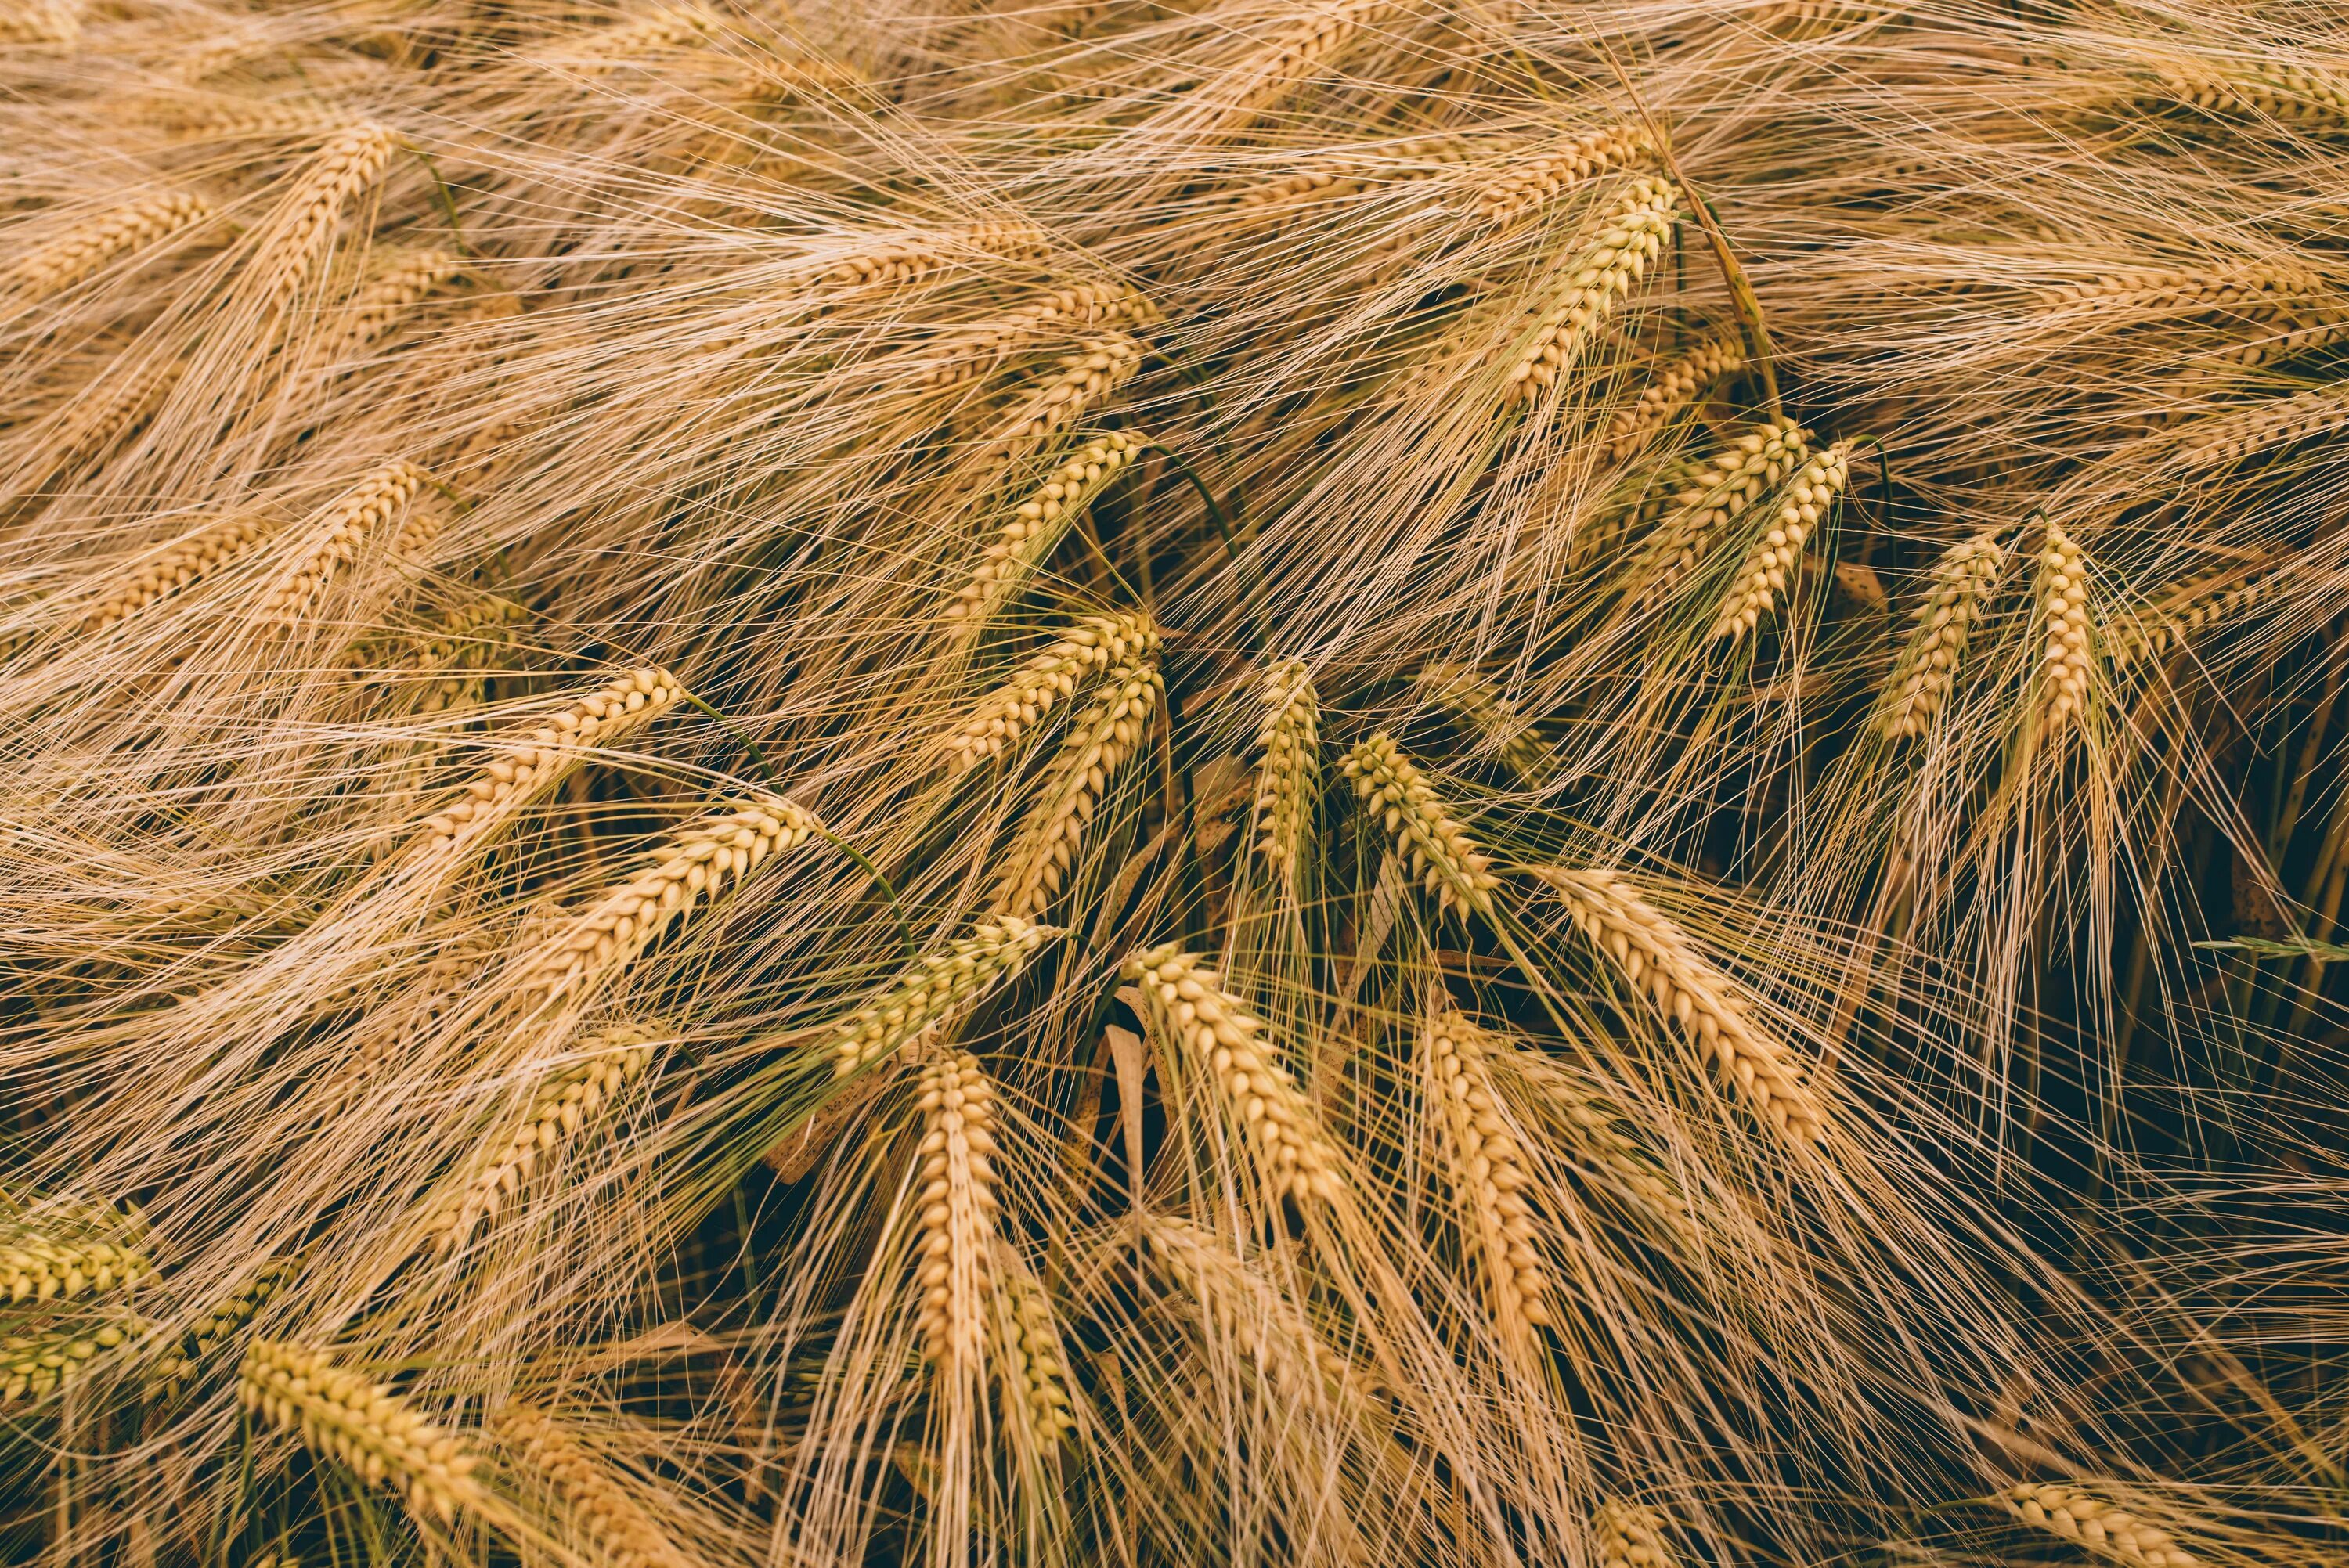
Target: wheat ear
{"points": [[958, 1204], [1300, 48], [2087, 1520], [1621, 1160], [1960, 587], [363, 1425], [205, 551], [936, 989], [1438, 847], [2225, 440], [1100, 741], [40, 22], [1342, 174], [1096, 643], [700, 860], [1288, 770], [2199, 602], [1031, 1361], [34, 1365], [340, 532], [1679, 386], [1086, 304], [620, 43], [1036, 527], [348, 163], [1764, 576], [1248, 1311], [39, 1266], [1720, 489], [2287, 95], [1471, 699], [407, 278], [1084, 379], [454, 646], [1630, 1535], [602, 1509], [1293, 1156], [2065, 633], [534, 762], [1539, 178], [1633, 232], [571, 1098], [2257, 291], [1487, 1175], [220, 117], [1705, 1005], [111, 413], [67, 260], [902, 260], [177, 1367]]}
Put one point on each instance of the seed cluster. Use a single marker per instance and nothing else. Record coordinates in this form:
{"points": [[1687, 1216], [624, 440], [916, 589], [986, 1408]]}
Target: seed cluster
{"points": [[1248, 1312], [1471, 698], [1034, 1366], [1085, 377], [1678, 386], [1633, 233], [407, 278], [1574, 160], [66, 260], [958, 1205], [1438, 847], [34, 1365], [1718, 493], [2225, 440], [1962, 584], [342, 530], [2190, 607], [1288, 771], [1764, 575], [901, 261], [176, 1366], [38, 1267], [350, 161], [1086, 304], [1630, 1535], [2253, 292], [2065, 634], [935, 989], [1488, 1174], [207, 550], [1095, 644], [2088, 1521], [624, 1534], [366, 1427], [1100, 741], [1037, 526], [1294, 1158]]}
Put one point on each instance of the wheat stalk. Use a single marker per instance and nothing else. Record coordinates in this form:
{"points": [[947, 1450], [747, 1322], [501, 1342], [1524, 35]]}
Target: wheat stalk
{"points": [[1705, 1005], [1630, 1535], [936, 988], [1100, 742], [1487, 1174], [1289, 773], [34, 1365], [1764, 576], [1438, 847], [1958, 590], [1036, 527], [2066, 665], [2085, 1519], [82, 250], [341, 529], [1633, 232], [1085, 378], [700, 860], [1530, 181], [1096, 643], [603, 1511], [158, 576], [1293, 1156], [958, 1205], [364, 1425], [1679, 386]]}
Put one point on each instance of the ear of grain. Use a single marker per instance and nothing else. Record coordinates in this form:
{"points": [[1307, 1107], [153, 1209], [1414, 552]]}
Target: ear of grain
{"points": [[1336, 175], [1469, 699], [88, 429], [1526, 184], [1036, 527], [36, 1364], [1064, 310], [1439, 849], [1084, 381], [2224, 440], [2279, 94], [1962, 583], [603, 1509], [2066, 667], [1487, 1175], [2203, 601], [1029, 1362], [338, 534], [1242, 1308], [52, 1265], [1297, 50], [702, 861], [2087, 1521], [81, 251], [596, 50], [2256, 292], [1095, 644], [179, 1364], [454, 645], [203, 117], [363, 1426], [902, 260], [303, 228], [958, 1205], [1677, 387], [1597, 1134], [1631, 234], [165, 573], [1718, 493], [400, 282], [1293, 1156], [1755, 594], [1708, 1007], [935, 990], [54, 22], [1288, 770], [1630, 1535], [1100, 742]]}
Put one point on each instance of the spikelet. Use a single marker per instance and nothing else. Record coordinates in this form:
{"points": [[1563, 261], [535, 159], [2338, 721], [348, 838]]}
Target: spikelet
{"points": [[1528, 183], [2088, 1521], [937, 990], [1632, 234], [1488, 1175], [2226, 438], [902, 260], [1029, 1360], [600, 1508], [1764, 577], [701, 860], [1248, 1311], [1679, 386], [53, 268], [34, 1365], [341, 529], [363, 1425], [402, 281], [571, 1098], [2199, 602], [177, 1366], [1095, 643], [773, 79], [1037, 526], [299, 233], [1288, 771], [454, 646], [40, 21], [2255, 292], [957, 1205], [1085, 378], [535, 761], [2227, 360], [2285, 94], [1705, 1005], [1475, 702], [1719, 490], [165, 573], [1293, 1156], [43, 1266], [1630, 1535], [1063, 310], [1439, 849], [1962, 584], [1099, 743], [2065, 635]]}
